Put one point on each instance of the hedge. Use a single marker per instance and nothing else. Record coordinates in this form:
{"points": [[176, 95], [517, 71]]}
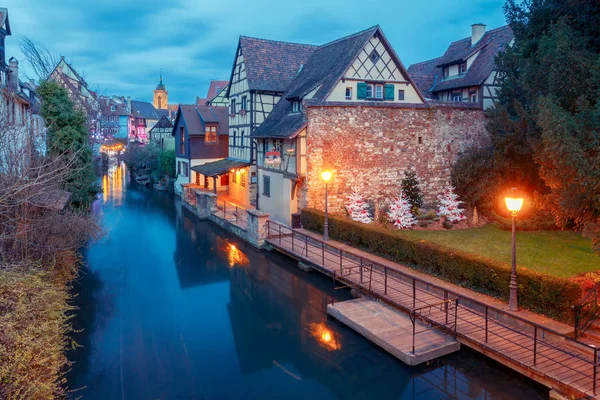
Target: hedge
{"points": [[540, 293]]}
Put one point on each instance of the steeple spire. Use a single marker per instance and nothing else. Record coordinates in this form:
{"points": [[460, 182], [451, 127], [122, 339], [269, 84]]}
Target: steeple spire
{"points": [[161, 85]]}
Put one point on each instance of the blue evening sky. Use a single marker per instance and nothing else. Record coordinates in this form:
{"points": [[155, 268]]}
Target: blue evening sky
{"points": [[121, 45]]}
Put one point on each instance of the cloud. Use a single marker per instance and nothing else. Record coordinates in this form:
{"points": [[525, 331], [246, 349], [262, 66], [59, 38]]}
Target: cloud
{"points": [[123, 45]]}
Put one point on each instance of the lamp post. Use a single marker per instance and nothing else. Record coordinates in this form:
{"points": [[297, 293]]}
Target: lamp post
{"points": [[326, 176], [514, 205]]}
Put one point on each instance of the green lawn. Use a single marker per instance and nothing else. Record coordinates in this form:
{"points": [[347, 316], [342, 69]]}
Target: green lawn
{"points": [[553, 252]]}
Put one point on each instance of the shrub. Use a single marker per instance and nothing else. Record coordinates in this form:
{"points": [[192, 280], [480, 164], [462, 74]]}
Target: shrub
{"points": [[540, 293]]}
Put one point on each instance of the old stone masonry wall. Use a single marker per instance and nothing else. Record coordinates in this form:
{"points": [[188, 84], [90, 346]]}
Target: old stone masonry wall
{"points": [[371, 147]]}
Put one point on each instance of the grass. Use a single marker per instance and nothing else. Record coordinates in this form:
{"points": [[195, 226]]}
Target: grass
{"points": [[558, 253]]}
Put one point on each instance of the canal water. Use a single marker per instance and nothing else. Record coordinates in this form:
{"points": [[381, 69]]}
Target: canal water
{"points": [[175, 308]]}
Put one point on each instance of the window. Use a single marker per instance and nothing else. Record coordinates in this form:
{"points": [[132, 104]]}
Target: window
{"points": [[463, 68], [234, 139], [242, 139], [210, 134], [295, 106], [243, 178], [348, 93], [400, 94], [112, 108], [178, 167], [185, 167], [473, 97], [446, 72], [232, 107], [234, 177], [374, 57], [369, 91], [159, 102], [379, 91], [420, 140], [244, 103], [456, 97], [181, 140], [266, 186]]}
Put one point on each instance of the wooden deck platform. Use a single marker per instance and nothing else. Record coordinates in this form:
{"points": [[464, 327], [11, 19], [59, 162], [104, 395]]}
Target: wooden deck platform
{"points": [[546, 356], [393, 331]]}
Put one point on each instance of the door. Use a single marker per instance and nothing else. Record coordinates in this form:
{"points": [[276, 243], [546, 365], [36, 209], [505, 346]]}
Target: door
{"points": [[225, 180]]}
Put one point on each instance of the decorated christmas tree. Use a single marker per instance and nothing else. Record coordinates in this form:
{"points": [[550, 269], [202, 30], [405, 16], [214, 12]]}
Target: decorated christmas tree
{"points": [[357, 207], [400, 212], [449, 205], [410, 187]]}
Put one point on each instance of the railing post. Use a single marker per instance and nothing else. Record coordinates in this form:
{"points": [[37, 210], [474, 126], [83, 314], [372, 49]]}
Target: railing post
{"points": [[306, 241], [486, 324], [323, 253], [385, 280], [534, 344], [414, 321], [455, 319], [595, 369], [292, 240], [446, 304], [414, 293], [268, 229]]}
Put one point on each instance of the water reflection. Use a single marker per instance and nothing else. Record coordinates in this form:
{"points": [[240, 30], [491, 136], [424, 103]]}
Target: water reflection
{"points": [[179, 309]]}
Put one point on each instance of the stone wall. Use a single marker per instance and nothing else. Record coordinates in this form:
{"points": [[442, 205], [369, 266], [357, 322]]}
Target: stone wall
{"points": [[371, 147]]}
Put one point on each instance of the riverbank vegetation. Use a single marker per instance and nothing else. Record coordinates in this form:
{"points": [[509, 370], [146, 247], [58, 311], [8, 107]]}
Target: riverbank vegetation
{"points": [[539, 292], [45, 192], [150, 160]]}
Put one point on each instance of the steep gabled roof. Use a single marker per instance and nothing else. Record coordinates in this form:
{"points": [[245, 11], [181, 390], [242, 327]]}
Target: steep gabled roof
{"points": [[4, 22], [423, 74], [271, 65], [490, 44], [163, 123], [323, 70], [143, 109], [194, 117]]}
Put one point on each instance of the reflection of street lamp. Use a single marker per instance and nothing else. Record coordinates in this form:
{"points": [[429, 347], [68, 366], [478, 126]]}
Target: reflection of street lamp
{"points": [[514, 205], [326, 176]]}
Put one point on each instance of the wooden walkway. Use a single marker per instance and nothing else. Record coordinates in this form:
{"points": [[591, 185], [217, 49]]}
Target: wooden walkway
{"points": [[544, 355]]}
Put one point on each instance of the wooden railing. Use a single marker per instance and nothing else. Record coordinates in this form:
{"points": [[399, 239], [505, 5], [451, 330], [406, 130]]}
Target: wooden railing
{"points": [[487, 325]]}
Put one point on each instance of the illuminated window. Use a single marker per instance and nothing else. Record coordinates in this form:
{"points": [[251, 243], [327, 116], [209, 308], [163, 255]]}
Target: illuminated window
{"points": [[181, 140], [210, 134], [243, 178]]}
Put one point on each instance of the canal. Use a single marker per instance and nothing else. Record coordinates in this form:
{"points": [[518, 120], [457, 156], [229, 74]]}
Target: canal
{"points": [[174, 308]]}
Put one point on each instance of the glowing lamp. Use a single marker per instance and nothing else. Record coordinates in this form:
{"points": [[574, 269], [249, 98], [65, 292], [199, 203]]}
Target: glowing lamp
{"points": [[326, 176], [514, 204]]}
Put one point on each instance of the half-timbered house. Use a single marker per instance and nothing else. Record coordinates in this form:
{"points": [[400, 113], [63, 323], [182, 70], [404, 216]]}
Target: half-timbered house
{"points": [[200, 134], [354, 109], [262, 71], [466, 72], [161, 134]]}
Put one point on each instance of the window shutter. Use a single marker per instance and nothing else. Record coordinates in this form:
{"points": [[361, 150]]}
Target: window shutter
{"points": [[389, 91], [361, 90]]}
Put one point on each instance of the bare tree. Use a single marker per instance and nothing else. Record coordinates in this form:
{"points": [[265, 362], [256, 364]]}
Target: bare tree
{"points": [[41, 60]]}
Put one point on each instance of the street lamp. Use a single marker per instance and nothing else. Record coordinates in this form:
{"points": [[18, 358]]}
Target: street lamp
{"points": [[326, 176], [514, 205]]}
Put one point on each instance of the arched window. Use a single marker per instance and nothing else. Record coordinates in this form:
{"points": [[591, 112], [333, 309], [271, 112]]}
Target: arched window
{"points": [[159, 102]]}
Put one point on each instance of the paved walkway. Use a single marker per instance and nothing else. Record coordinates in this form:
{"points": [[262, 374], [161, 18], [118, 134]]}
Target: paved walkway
{"points": [[524, 341]]}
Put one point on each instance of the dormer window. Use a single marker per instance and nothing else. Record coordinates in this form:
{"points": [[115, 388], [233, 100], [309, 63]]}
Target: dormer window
{"points": [[112, 108], [374, 56], [296, 106], [446, 71], [463, 68]]}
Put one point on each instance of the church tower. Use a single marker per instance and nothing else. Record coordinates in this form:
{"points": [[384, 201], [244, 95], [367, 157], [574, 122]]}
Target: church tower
{"points": [[161, 96]]}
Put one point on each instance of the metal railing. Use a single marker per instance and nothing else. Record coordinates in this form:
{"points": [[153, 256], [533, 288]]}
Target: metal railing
{"points": [[232, 212], [425, 314], [586, 312], [475, 321]]}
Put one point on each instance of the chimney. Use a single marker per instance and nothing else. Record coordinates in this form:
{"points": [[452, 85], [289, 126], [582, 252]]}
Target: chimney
{"points": [[13, 74], [477, 32]]}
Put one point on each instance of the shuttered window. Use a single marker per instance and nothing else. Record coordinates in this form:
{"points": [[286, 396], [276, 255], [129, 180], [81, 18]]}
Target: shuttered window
{"points": [[361, 90], [266, 186], [389, 91]]}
